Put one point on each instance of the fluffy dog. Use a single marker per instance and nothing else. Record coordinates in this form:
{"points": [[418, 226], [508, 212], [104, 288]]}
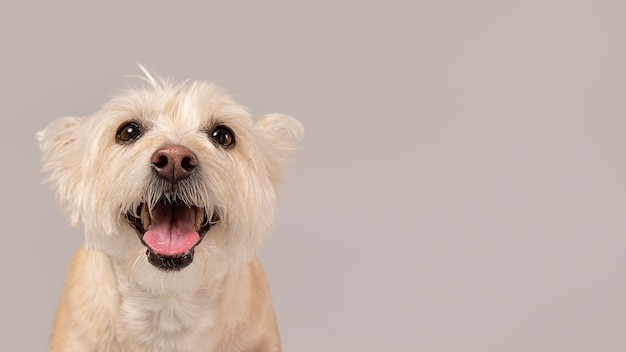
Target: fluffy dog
{"points": [[175, 187]]}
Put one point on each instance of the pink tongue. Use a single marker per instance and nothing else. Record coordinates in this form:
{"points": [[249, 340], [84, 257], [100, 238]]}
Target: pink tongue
{"points": [[172, 231]]}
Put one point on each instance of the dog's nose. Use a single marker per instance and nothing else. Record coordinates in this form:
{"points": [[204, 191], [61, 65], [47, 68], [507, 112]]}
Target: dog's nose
{"points": [[174, 162]]}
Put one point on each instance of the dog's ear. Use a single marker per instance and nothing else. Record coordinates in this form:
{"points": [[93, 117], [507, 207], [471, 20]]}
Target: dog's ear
{"points": [[281, 133], [62, 159]]}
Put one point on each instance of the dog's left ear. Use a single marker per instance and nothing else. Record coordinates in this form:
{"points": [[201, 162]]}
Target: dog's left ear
{"points": [[281, 133]]}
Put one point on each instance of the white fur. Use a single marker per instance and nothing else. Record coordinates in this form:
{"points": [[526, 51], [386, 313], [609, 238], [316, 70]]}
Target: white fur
{"points": [[98, 180]]}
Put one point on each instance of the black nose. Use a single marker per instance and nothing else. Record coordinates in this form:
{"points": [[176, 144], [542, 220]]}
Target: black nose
{"points": [[174, 162]]}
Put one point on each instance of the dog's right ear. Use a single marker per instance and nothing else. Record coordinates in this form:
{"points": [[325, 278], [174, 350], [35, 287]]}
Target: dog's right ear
{"points": [[62, 150]]}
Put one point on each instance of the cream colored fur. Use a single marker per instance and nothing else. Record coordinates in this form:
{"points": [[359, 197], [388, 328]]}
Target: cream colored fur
{"points": [[114, 299]]}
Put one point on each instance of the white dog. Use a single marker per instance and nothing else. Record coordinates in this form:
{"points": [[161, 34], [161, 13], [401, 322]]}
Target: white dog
{"points": [[175, 186]]}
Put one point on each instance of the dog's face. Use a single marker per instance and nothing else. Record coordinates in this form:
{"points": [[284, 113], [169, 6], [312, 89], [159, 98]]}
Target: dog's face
{"points": [[175, 182]]}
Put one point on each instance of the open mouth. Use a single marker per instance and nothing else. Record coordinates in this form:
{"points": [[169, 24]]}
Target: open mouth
{"points": [[171, 230]]}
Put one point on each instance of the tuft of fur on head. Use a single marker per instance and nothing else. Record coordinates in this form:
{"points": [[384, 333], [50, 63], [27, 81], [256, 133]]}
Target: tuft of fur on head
{"points": [[100, 180]]}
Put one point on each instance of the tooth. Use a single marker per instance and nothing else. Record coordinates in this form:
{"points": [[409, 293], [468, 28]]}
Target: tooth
{"points": [[199, 218], [145, 217]]}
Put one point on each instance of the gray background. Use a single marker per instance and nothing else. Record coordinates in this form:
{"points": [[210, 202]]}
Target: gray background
{"points": [[461, 186]]}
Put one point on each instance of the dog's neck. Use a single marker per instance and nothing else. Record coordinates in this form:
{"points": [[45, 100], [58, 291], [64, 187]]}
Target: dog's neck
{"points": [[166, 321], [173, 323]]}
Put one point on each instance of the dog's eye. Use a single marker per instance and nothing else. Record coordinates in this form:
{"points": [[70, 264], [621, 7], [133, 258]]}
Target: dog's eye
{"points": [[223, 136], [128, 132]]}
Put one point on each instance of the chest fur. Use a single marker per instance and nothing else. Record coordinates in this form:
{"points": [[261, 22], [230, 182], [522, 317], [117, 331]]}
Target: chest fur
{"points": [[168, 323]]}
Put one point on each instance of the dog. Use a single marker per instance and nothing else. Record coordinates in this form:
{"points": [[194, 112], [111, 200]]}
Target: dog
{"points": [[175, 186]]}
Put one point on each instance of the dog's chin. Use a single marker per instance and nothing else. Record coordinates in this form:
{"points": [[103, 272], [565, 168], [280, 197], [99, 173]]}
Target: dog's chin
{"points": [[200, 274], [170, 231], [170, 262]]}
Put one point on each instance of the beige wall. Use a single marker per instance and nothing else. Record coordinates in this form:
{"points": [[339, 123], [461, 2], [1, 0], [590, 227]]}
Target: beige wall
{"points": [[461, 186]]}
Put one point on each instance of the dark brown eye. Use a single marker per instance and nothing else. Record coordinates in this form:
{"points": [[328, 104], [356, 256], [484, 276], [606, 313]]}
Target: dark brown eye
{"points": [[223, 136], [128, 132]]}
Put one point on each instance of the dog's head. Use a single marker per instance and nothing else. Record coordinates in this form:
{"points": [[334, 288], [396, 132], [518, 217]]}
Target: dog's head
{"points": [[173, 181]]}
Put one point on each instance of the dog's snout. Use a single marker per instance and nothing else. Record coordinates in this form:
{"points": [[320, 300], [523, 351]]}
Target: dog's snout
{"points": [[174, 162]]}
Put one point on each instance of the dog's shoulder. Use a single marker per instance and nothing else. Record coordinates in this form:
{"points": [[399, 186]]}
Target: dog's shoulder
{"points": [[86, 313]]}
